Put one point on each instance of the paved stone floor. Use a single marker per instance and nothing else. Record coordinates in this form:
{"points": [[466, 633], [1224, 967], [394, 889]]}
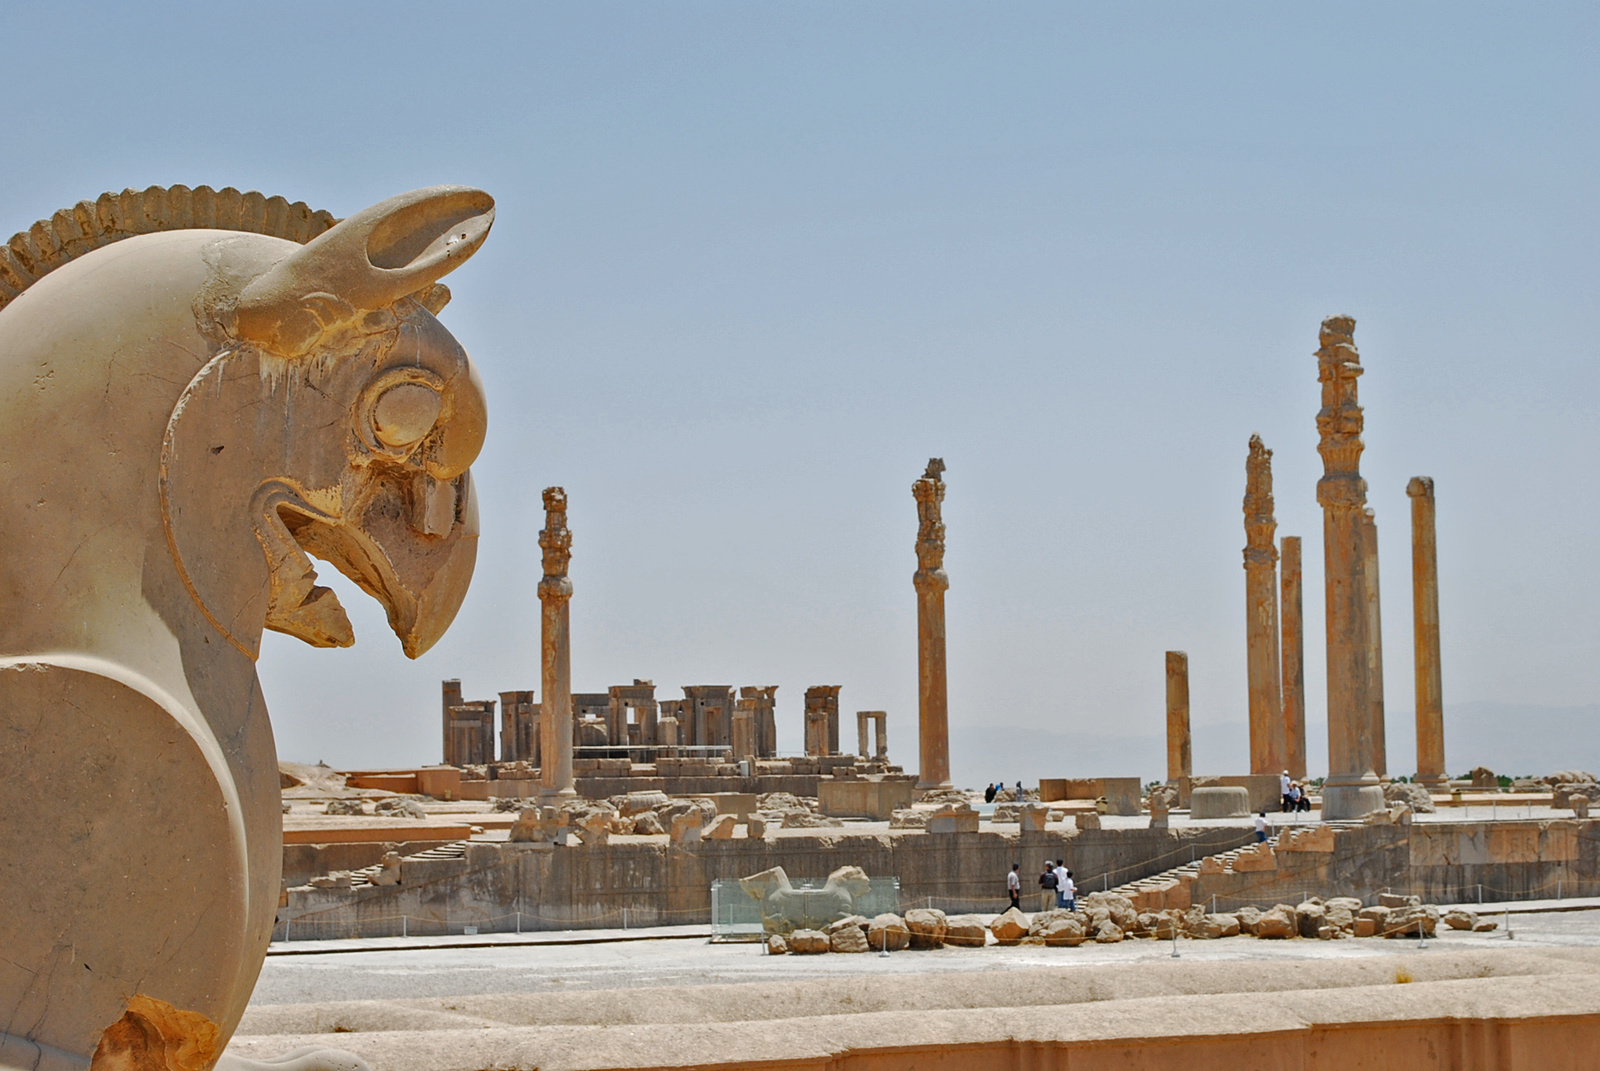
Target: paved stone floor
{"points": [[499, 968]]}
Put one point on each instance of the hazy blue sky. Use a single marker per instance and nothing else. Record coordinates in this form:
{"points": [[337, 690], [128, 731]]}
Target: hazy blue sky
{"points": [[754, 264]]}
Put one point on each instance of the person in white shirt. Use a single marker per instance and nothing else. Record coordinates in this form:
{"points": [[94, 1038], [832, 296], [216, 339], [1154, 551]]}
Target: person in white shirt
{"points": [[1014, 885], [1261, 827], [1068, 889], [1062, 883], [1287, 785]]}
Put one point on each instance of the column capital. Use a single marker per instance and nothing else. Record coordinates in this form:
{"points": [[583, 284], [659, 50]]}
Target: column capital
{"points": [[1420, 487]]}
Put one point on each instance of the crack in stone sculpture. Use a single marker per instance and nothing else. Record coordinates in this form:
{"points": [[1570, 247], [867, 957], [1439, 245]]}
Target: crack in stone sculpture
{"points": [[201, 391]]}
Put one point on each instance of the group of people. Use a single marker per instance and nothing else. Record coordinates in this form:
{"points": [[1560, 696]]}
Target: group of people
{"points": [[1056, 887], [1295, 797], [998, 787]]}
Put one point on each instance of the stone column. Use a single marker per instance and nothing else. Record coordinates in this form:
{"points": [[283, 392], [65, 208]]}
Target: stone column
{"points": [[862, 718], [1294, 661], [1375, 715], [1352, 789], [930, 580], [743, 733], [555, 594], [451, 693], [1261, 615], [1425, 634], [1180, 764]]}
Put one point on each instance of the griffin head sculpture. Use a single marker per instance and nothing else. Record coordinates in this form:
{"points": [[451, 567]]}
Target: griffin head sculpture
{"points": [[199, 391]]}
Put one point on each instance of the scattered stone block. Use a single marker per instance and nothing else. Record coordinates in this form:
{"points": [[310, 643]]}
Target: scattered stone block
{"points": [[848, 939], [1219, 801], [1087, 820], [388, 872], [344, 807], [1412, 920], [908, 819], [888, 932], [1309, 917], [808, 942], [1107, 932], [400, 806], [686, 828], [776, 945], [1033, 817], [1460, 919], [721, 829], [647, 824], [338, 879], [755, 827], [1276, 924], [1484, 926], [1366, 927], [636, 803], [965, 931], [1009, 927], [1398, 900], [954, 818], [928, 927], [1413, 795]]}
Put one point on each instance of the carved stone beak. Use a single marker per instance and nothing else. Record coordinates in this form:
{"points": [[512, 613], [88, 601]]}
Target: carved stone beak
{"points": [[420, 579]]}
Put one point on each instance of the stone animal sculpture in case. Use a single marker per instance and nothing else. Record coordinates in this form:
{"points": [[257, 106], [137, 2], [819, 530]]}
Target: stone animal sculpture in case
{"points": [[199, 389]]}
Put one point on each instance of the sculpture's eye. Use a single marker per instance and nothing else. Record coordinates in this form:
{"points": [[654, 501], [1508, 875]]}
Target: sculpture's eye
{"points": [[405, 413]]}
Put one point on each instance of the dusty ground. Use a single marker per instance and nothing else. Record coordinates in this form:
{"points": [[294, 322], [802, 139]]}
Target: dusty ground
{"points": [[499, 968]]}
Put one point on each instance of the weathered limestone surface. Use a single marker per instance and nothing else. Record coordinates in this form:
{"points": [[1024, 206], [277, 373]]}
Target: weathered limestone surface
{"points": [[1375, 709], [199, 389], [822, 719], [1425, 634], [880, 726], [555, 597], [1267, 754], [1180, 760], [1292, 626], [1352, 788], [931, 581]]}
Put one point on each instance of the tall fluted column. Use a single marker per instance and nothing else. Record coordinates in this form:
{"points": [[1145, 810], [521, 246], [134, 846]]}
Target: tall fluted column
{"points": [[1425, 634], [1352, 787], [1292, 625], [1180, 763], [930, 580], [1261, 615], [555, 705], [1375, 715]]}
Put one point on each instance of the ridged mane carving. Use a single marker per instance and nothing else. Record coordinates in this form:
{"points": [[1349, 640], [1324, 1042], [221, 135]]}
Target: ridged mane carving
{"points": [[32, 254]]}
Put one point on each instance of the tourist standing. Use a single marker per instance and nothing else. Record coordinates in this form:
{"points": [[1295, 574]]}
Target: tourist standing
{"points": [[1286, 784], [1014, 885], [1261, 827], [1068, 890], [1047, 887]]}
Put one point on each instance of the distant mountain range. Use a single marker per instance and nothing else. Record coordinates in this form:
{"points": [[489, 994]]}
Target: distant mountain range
{"points": [[1511, 738]]}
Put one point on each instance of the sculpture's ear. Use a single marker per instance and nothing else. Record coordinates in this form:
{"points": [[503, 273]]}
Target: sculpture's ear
{"points": [[371, 260]]}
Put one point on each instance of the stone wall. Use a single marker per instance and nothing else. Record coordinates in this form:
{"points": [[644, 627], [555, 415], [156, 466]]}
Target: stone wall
{"points": [[502, 886]]}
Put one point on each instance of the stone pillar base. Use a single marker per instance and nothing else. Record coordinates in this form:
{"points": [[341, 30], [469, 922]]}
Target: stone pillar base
{"points": [[923, 786], [1436, 783], [1351, 801]]}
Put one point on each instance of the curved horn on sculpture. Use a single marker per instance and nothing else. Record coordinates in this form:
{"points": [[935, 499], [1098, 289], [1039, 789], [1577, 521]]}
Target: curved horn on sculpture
{"points": [[371, 260]]}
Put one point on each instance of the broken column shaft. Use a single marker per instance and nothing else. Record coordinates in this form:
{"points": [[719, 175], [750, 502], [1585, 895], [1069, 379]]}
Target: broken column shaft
{"points": [[1180, 763], [1292, 631], [1261, 615], [1425, 634], [930, 580], [1375, 715], [555, 595]]}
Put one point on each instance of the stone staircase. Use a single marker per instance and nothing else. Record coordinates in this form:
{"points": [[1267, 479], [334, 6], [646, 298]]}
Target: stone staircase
{"points": [[452, 850], [1173, 888]]}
